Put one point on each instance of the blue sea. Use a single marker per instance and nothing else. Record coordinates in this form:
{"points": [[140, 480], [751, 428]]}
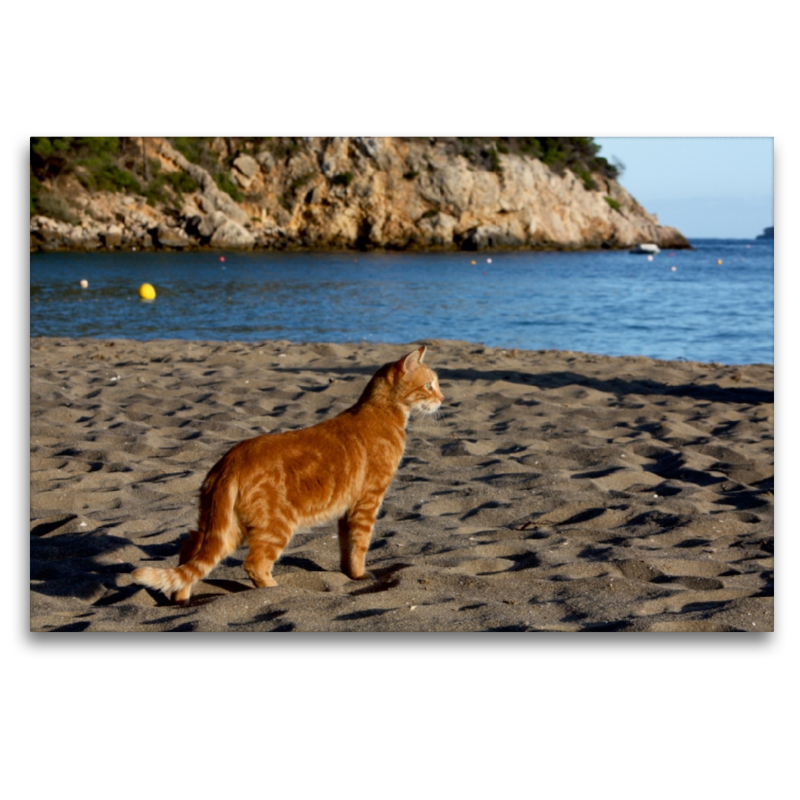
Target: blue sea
{"points": [[712, 303]]}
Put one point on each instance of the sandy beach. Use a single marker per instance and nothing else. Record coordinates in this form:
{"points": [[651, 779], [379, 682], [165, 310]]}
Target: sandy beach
{"points": [[557, 491]]}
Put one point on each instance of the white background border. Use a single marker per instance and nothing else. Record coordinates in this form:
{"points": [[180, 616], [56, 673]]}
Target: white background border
{"points": [[399, 715]]}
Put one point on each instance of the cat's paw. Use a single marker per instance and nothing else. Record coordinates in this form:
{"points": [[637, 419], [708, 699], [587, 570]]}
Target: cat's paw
{"points": [[367, 576], [182, 596], [263, 581]]}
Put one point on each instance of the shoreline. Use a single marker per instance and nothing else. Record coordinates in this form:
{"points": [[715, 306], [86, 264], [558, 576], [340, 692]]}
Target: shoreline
{"points": [[558, 490], [291, 247], [61, 341]]}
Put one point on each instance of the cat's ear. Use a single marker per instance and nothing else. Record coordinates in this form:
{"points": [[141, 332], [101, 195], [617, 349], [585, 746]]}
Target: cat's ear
{"points": [[412, 360]]}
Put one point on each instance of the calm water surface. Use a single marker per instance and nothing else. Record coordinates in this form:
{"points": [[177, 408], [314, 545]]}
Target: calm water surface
{"points": [[606, 302]]}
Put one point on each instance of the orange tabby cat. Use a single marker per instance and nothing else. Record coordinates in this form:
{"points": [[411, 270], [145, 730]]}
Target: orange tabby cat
{"points": [[264, 488]]}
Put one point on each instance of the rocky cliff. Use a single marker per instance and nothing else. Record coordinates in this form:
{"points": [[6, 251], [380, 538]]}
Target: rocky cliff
{"points": [[356, 192]]}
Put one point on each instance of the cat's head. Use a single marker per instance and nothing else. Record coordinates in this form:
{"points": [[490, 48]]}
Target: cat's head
{"points": [[417, 384], [407, 384]]}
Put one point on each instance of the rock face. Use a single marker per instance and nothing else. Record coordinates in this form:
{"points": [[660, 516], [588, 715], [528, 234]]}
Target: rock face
{"points": [[167, 236], [363, 192]]}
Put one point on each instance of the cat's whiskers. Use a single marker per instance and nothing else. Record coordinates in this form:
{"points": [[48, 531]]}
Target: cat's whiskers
{"points": [[427, 420]]}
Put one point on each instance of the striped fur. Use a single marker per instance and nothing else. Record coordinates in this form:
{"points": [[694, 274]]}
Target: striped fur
{"points": [[264, 488]]}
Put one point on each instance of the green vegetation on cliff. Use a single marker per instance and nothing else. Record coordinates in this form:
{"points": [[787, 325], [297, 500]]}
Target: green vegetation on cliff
{"points": [[113, 164], [580, 154]]}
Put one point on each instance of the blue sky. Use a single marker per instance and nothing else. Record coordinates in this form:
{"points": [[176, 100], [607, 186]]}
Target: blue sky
{"points": [[704, 186]]}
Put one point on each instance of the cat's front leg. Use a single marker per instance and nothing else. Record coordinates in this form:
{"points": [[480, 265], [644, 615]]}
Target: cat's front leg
{"points": [[355, 530]]}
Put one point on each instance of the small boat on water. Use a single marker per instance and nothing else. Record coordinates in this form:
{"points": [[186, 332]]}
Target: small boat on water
{"points": [[646, 249]]}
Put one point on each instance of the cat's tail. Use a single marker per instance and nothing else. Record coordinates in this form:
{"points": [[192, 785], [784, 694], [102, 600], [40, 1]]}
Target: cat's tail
{"points": [[204, 549], [171, 581]]}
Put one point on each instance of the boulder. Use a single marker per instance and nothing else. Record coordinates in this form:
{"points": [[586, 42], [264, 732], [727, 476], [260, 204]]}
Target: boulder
{"points": [[167, 236], [82, 238], [455, 183], [438, 229], [212, 221], [112, 237], [46, 239], [266, 159], [247, 165], [483, 237], [243, 181], [231, 234], [205, 204], [368, 145]]}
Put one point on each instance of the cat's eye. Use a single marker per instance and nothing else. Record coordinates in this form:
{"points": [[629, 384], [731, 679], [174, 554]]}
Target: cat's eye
{"points": [[428, 386]]}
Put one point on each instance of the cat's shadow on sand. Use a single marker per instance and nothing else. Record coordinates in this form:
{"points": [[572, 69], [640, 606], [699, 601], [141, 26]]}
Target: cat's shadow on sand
{"points": [[559, 380], [84, 575]]}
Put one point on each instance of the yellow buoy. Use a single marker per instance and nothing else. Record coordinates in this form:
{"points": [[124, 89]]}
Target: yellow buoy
{"points": [[719, 261], [147, 292]]}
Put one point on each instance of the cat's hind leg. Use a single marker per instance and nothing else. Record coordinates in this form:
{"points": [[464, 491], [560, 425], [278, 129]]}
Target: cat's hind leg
{"points": [[266, 544], [189, 549], [199, 555], [192, 549], [191, 546]]}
